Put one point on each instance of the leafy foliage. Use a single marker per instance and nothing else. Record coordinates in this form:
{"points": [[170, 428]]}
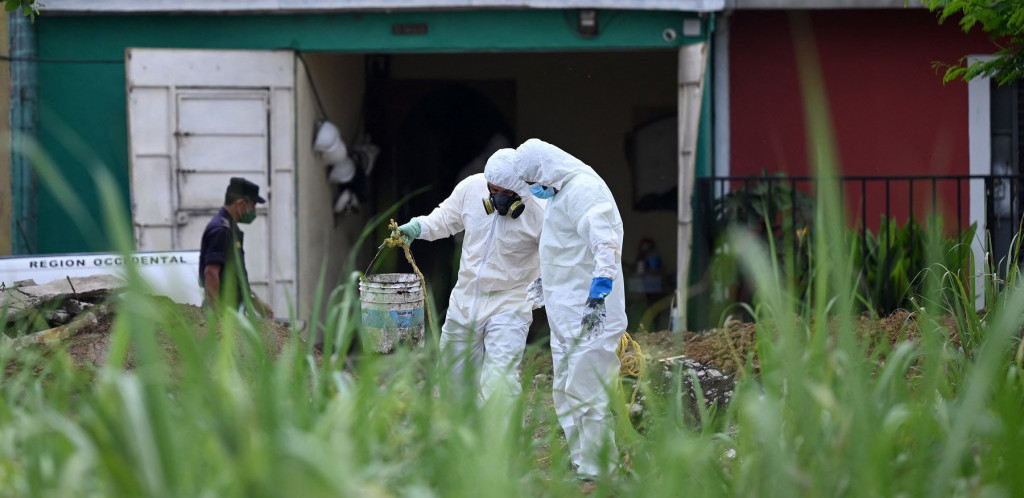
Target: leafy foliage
{"points": [[894, 265], [28, 8], [1003, 20], [889, 267], [776, 212]]}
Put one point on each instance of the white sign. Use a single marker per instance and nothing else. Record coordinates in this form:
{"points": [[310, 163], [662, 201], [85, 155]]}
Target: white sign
{"points": [[174, 274]]}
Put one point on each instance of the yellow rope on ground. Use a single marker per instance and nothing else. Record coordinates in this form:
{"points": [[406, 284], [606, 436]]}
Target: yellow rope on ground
{"points": [[632, 362], [395, 240]]}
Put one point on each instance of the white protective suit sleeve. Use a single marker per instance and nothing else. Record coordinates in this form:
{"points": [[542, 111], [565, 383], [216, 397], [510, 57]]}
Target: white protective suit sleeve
{"points": [[597, 227], [446, 219]]}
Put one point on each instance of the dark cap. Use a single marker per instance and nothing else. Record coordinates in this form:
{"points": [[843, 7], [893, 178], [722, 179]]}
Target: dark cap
{"points": [[243, 187]]}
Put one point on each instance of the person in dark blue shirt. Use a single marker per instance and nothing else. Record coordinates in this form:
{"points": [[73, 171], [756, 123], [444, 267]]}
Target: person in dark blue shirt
{"points": [[222, 272]]}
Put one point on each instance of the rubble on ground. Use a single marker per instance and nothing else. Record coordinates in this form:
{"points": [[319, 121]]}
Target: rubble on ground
{"points": [[30, 307], [677, 374], [77, 314]]}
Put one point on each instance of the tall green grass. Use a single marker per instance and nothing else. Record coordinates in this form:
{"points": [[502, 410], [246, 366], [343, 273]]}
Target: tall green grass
{"points": [[827, 412]]}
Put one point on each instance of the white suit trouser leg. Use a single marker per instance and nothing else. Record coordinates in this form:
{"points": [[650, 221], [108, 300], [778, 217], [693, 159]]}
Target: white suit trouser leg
{"points": [[484, 355], [504, 342], [584, 370]]}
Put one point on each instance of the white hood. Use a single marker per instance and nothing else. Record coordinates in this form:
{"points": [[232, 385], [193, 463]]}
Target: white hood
{"points": [[500, 170], [543, 163]]}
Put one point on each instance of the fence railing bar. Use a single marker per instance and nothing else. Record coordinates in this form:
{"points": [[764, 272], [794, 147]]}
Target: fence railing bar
{"points": [[911, 221], [792, 221], [933, 196], [885, 253], [863, 227], [959, 206]]}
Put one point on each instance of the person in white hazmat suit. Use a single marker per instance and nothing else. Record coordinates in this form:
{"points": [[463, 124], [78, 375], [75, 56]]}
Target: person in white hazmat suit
{"points": [[489, 314], [584, 295]]}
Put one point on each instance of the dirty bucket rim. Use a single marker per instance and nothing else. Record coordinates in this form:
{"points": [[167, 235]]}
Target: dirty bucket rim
{"points": [[392, 278]]}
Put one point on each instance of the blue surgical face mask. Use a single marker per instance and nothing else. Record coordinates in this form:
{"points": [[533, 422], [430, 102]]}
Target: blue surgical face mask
{"points": [[541, 192]]}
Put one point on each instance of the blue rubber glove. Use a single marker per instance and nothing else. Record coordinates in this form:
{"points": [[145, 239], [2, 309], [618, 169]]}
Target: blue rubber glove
{"points": [[600, 287], [409, 231]]}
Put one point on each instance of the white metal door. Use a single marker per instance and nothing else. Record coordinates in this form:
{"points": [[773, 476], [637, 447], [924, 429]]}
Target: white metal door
{"points": [[220, 134], [197, 118]]}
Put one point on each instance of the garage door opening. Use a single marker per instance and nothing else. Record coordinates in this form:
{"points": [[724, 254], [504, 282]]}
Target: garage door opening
{"points": [[437, 117]]}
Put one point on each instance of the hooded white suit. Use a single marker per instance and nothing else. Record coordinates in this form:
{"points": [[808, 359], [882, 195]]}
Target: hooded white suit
{"points": [[488, 313], [581, 239]]}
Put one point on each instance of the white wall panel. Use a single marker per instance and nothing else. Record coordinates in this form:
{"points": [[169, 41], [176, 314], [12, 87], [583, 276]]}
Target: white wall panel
{"points": [[219, 113], [153, 237], [209, 68], [155, 206], [150, 132], [283, 234], [225, 154]]}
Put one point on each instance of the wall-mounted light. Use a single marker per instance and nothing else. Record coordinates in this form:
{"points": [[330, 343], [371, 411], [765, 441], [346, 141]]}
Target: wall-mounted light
{"points": [[587, 22]]}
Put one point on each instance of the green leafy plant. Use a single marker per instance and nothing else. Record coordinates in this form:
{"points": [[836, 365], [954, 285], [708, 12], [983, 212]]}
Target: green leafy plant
{"points": [[28, 8], [776, 213], [892, 264], [1003, 20]]}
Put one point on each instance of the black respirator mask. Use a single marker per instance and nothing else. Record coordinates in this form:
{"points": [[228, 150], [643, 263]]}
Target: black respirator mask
{"points": [[505, 205]]}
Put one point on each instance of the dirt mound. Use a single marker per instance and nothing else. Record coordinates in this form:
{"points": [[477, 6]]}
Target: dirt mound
{"points": [[724, 348], [729, 347]]}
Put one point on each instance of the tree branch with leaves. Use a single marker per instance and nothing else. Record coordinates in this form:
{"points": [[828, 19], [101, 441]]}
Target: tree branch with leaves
{"points": [[28, 8], [1003, 21]]}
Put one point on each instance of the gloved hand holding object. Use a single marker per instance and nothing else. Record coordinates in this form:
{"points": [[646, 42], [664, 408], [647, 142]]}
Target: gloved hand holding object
{"points": [[593, 317], [409, 231], [535, 293], [594, 314]]}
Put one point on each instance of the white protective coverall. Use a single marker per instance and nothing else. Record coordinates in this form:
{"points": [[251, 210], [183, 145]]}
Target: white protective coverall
{"points": [[582, 239], [488, 313]]}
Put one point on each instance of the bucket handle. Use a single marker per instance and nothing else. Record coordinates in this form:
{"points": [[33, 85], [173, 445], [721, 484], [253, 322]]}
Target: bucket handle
{"points": [[395, 240], [374, 260]]}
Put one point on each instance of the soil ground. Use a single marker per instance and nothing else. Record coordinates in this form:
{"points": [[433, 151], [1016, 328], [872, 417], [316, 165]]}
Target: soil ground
{"points": [[725, 348], [728, 347]]}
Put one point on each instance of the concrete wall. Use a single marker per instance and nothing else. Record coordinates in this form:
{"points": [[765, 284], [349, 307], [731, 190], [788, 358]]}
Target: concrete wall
{"points": [[585, 103], [5, 139], [324, 239]]}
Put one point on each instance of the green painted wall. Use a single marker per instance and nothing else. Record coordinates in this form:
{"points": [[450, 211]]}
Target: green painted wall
{"points": [[6, 205], [82, 97]]}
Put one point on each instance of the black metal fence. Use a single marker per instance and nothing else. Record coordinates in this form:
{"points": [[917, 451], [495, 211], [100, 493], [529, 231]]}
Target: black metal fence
{"points": [[871, 203]]}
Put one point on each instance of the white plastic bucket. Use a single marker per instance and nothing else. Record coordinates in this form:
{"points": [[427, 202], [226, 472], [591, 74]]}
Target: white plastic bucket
{"points": [[392, 310]]}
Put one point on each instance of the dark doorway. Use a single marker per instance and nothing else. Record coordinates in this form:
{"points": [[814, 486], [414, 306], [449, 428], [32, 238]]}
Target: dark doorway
{"points": [[1004, 189], [438, 133]]}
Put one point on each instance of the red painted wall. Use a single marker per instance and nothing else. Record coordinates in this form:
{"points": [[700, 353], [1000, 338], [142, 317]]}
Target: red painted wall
{"points": [[890, 111]]}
